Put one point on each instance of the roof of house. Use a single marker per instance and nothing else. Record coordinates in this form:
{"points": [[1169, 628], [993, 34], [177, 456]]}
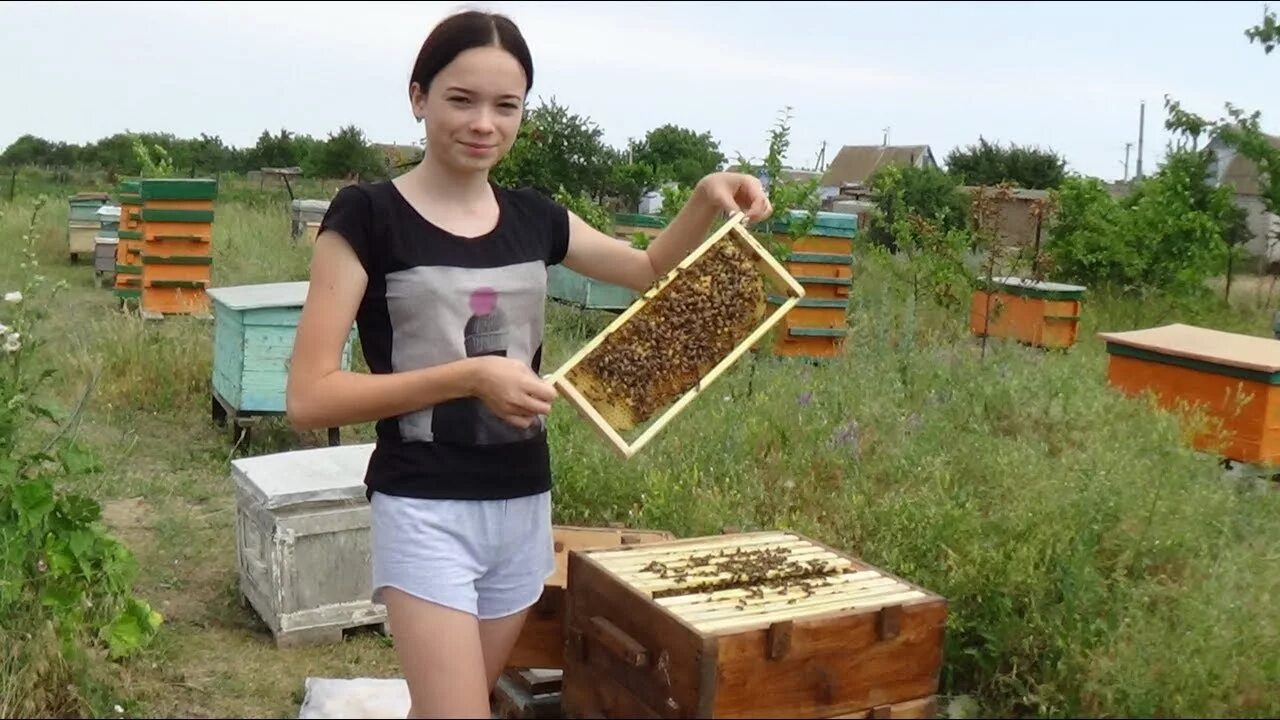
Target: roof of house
{"points": [[1243, 173], [856, 163]]}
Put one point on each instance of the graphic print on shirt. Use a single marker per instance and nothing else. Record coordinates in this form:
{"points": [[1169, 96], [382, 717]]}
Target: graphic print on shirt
{"points": [[442, 314]]}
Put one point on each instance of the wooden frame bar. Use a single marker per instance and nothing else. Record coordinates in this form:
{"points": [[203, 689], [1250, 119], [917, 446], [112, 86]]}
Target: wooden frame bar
{"points": [[778, 283]]}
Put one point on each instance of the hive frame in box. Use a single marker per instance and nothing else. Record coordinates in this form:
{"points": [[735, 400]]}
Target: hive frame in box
{"points": [[711, 627], [771, 269]]}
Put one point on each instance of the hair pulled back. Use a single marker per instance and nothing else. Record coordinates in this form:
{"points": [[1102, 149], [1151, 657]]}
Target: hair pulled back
{"points": [[466, 30]]}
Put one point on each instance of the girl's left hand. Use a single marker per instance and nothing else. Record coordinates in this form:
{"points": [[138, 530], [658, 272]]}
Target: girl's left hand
{"points": [[737, 192]]}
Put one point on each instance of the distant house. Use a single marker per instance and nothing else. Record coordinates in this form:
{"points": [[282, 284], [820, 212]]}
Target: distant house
{"points": [[855, 164], [1229, 167]]}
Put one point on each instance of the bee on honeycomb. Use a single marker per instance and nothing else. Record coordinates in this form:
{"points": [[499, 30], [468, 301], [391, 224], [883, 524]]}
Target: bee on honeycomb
{"points": [[676, 338]]}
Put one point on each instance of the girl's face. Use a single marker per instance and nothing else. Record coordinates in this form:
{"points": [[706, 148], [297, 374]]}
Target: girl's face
{"points": [[473, 109]]}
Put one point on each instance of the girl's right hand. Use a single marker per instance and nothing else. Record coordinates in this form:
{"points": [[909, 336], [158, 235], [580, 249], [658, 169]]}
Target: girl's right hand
{"points": [[512, 390]]}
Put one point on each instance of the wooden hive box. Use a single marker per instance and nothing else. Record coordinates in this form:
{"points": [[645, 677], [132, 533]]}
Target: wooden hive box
{"points": [[821, 260], [104, 244], [302, 542], [541, 642], [625, 225], [1232, 378], [177, 257], [1042, 314], [762, 624], [574, 288], [128, 283], [656, 357], [253, 333]]}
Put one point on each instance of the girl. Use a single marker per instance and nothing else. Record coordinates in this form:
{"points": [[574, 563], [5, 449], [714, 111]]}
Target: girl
{"points": [[444, 274]]}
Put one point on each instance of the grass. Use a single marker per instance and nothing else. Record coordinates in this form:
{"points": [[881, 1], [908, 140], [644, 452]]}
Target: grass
{"points": [[1093, 564]]}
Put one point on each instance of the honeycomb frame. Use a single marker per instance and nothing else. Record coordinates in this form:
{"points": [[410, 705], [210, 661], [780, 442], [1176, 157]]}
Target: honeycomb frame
{"points": [[777, 282]]}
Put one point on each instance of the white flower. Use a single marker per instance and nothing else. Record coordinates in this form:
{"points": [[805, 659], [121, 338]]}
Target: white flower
{"points": [[12, 343], [3, 328], [13, 297]]}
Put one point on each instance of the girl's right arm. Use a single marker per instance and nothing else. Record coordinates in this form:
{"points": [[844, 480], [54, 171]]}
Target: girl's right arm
{"points": [[321, 394]]}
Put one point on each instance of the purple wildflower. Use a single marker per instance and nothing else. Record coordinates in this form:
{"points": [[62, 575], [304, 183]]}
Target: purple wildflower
{"points": [[847, 435]]}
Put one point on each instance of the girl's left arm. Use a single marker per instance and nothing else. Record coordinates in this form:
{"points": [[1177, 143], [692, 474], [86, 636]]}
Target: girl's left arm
{"points": [[605, 258]]}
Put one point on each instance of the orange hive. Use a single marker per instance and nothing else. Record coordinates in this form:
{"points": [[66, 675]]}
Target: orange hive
{"points": [[177, 258], [1043, 314], [1231, 377], [821, 260]]}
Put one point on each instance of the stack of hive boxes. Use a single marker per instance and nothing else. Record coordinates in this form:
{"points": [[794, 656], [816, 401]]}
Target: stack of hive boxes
{"points": [[128, 285], [177, 256], [82, 222], [821, 260], [104, 247]]}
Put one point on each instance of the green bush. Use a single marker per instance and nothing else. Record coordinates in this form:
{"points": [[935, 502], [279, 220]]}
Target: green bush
{"points": [[1168, 237], [65, 584]]}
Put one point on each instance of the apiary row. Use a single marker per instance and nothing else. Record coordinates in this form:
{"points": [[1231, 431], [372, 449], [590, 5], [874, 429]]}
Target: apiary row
{"points": [[154, 247]]}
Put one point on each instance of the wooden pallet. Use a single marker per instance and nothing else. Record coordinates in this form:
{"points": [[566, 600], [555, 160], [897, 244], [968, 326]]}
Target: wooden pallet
{"points": [[778, 283]]}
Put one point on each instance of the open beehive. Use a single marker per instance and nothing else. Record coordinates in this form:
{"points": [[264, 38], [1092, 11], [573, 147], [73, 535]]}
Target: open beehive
{"points": [[763, 624], [678, 337], [541, 640]]}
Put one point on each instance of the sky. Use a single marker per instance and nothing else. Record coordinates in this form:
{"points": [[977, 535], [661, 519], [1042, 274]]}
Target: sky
{"points": [[1067, 76]]}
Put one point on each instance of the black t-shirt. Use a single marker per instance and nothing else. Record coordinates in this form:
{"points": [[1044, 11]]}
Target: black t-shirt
{"points": [[434, 298]]}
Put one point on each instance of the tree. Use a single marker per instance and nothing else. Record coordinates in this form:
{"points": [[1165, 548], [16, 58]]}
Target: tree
{"points": [[284, 150], [1170, 235], [928, 193], [27, 150], [556, 148], [1241, 131], [1266, 33], [345, 154], [679, 154], [990, 164], [627, 180]]}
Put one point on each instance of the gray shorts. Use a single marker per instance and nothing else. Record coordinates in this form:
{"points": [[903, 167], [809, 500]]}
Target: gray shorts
{"points": [[489, 558]]}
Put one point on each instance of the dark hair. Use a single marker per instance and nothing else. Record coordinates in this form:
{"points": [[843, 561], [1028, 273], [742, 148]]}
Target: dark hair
{"points": [[466, 30]]}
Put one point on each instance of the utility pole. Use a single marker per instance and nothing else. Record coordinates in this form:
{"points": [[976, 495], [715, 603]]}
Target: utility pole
{"points": [[1142, 122], [1126, 160]]}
